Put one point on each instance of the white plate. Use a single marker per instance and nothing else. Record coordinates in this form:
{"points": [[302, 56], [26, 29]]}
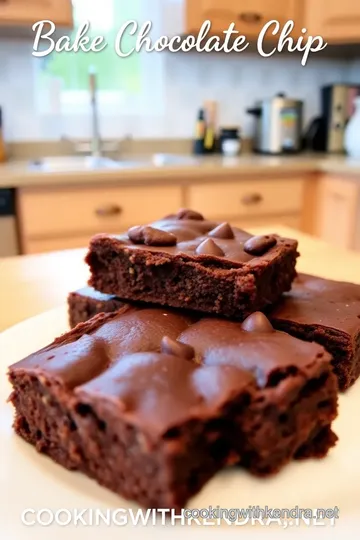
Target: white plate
{"points": [[30, 480]]}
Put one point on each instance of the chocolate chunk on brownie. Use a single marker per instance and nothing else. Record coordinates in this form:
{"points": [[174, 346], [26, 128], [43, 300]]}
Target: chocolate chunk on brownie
{"points": [[327, 312], [188, 262], [152, 402], [86, 302]]}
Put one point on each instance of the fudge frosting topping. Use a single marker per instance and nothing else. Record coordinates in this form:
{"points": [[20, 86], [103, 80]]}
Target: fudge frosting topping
{"points": [[187, 232], [318, 301], [159, 364]]}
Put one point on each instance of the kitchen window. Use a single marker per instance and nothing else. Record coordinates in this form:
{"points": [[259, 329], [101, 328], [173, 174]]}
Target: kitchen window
{"points": [[126, 86]]}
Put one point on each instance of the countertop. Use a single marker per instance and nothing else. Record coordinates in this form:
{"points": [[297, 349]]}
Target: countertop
{"points": [[31, 284], [141, 170]]}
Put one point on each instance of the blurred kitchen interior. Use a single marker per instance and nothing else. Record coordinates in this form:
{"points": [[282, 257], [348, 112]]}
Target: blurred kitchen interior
{"points": [[91, 142]]}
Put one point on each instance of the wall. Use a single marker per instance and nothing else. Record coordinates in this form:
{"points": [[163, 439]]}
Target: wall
{"points": [[354, 72], [235, 81]]}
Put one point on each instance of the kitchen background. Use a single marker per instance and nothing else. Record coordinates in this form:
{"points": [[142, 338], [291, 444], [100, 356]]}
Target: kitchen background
{"points": [[154, 101], [161, 92]]}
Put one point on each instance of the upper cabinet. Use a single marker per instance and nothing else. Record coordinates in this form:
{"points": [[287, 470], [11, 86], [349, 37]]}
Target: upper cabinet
{"points": [[27, 12], [335, 20], [249, 15]]}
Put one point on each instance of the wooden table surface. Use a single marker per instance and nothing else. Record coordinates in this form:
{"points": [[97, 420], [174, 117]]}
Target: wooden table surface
{"points": [[32, 284]]}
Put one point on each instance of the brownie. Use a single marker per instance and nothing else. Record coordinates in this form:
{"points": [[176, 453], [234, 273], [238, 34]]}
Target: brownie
{"points": [[152, 402], [86, 302], [188, 262], [328, 313]]}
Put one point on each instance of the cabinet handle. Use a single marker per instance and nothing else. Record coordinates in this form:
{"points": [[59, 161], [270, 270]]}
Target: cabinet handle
{"points": [[108, 211], [252, 198], [250, 17]]}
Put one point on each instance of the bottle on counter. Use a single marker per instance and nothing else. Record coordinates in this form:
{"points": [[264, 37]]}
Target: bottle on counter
{"points": [[230, 141], [200, 130], [210, 131], [2, 141]]}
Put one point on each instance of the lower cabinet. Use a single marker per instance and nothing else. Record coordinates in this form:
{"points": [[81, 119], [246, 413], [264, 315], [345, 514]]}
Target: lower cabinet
{"points": [[288, 220], [59, 218], [32, 246], [337, 212]]}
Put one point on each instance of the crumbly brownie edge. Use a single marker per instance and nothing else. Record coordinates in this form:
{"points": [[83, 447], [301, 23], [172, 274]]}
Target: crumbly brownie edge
{"points": [[43, 419], [161, 475], [81, 308], [288, 417], [182, 283], [344, 349]]}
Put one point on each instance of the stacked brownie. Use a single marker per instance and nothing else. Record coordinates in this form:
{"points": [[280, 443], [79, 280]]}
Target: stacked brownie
{"points": [[172, 372]]}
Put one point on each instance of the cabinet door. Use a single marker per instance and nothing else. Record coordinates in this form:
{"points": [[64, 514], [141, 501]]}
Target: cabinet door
{"points": [[80, 210], [270, 222], [335, 20], [232, 201], [21, 12], [249, 15], [54, 244], [337, 210]]}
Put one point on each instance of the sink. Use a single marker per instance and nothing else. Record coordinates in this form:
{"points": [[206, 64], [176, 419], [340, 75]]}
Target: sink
{"points": [[78, 163], [90, 163], [163, 160]]}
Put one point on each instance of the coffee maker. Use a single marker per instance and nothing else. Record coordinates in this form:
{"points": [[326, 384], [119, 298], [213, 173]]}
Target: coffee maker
{"points": [[337, 107], [278, 125]]}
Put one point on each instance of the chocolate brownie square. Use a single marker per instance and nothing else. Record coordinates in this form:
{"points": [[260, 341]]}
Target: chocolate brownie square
{"points": [[185, 261], [327, 312], [152, 402], [86, 302]]}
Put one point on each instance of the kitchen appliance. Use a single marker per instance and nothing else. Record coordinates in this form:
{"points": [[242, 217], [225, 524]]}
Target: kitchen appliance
{"points": [[314, 135], [9, 244], [337, 107], [278, 125]]}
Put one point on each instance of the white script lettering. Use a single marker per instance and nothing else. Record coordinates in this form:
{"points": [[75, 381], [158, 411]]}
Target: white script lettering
{"points": [[81, 40]]}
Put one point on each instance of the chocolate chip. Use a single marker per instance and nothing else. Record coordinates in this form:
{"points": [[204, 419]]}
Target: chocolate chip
{"points": [[208, 247], [151, 236], [257, 322], [185, 213], [222, 231], [258, 245], [176, 348]]}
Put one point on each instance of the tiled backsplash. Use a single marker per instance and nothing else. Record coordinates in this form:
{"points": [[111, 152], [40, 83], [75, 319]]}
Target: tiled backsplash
{"points": [[235, 81], [354, 72]]}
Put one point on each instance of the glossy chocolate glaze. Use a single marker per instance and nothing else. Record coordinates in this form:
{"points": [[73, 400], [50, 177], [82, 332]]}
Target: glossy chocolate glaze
{"points": [[318, 301], [123, 358]]}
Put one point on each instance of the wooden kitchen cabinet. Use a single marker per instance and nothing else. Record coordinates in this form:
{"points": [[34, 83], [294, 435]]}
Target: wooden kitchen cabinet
{"points": [[334, 20], [337, 211], [63, 218], [27, 12], [250, 202], [249, 15]]}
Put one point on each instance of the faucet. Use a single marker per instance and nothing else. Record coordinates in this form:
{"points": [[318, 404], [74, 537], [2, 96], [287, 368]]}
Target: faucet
{"points": [[96, 147]]}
